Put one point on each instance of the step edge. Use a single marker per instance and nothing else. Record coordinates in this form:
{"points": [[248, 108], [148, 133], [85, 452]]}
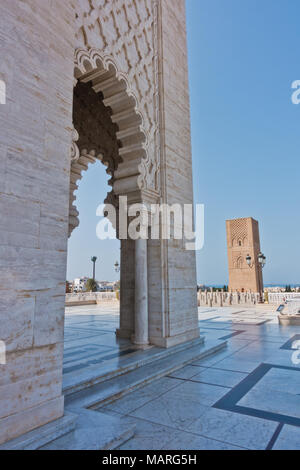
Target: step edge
{"points": [[139, 384], [96, 403], [39, 437], [122, 435], [97, 379]]}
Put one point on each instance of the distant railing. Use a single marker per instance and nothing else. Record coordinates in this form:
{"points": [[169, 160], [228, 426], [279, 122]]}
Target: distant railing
{"points": [[277, 298], [225, 299], [90, 298]]}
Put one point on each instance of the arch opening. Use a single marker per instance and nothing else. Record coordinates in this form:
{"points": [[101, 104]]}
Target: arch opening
{"points": [[108, 127], [102, 95]]}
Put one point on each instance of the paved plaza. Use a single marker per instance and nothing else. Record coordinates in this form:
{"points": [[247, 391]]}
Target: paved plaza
{"points": [[247, 396]]}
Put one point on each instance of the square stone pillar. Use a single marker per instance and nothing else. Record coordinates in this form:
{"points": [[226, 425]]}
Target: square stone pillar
{"points": [[173, 312], [37, 67]]}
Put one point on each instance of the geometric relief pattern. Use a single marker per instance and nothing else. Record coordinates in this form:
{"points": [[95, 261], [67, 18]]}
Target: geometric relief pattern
{"points": [[239, 239], [239, 231]]}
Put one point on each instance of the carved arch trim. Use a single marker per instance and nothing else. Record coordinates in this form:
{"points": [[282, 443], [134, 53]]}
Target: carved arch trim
{"points": [[129, 175]]}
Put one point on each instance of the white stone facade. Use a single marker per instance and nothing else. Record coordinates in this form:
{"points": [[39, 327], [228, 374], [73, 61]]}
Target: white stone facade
{"points": [[132, 55]]}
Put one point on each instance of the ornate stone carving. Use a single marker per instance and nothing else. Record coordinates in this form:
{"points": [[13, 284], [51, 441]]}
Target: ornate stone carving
{"points": [[94, 137], [123, 34], [75, 153]]}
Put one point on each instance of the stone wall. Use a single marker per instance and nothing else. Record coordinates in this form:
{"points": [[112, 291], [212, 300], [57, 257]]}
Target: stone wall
{"points": [[174, 313], [36, 50]]}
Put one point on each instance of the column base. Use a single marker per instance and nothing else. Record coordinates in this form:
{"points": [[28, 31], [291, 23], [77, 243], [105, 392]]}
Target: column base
{"points": [[20, 423], [140, 345], [175, 340], [41, 436]]}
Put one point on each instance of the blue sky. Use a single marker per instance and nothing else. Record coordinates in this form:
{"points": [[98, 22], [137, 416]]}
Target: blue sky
{"points": [[243, 57]]}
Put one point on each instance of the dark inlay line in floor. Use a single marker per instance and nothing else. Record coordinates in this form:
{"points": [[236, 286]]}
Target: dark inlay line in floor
{"points": [[67, 370], [209, 319], [197, 381], [71, 352], [83, 359], [233, 334], [85, 356], [229, 401], [251, 323], [275, 436], [288, 345], [89, 330], [78, 338], [214, 328]]}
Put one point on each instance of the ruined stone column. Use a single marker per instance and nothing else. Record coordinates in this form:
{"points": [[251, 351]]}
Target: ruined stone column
{"points": [[141, 336]]}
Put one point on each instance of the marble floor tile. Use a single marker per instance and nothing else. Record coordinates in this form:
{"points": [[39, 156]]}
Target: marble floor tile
{"points": [[177, 412], [235, 429], [149, 436], [288, 439], [187, 441], [195, 392], [224, 378], [213, 359], [272, 401], [239, 365], [186, 372], [142, 396], [173, 411], [280, 380]]}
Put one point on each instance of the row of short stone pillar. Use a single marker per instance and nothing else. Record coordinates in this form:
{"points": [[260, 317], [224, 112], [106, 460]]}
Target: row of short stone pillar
{"points": [[225, 299]]}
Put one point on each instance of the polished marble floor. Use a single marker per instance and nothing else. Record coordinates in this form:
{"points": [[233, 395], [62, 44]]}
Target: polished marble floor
{"points": [[245, 397], [90, 338]]}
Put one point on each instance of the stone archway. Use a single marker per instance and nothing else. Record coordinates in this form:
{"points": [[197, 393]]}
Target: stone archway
{"points": [[129, 177], [108, 126], [95, 138]]}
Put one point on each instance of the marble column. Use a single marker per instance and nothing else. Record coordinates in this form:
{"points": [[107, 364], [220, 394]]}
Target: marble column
{"points": [[141, 335]]}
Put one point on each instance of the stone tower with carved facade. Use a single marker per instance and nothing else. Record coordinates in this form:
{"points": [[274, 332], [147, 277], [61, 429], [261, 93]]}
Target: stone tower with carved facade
{"points": [[243, 240]]}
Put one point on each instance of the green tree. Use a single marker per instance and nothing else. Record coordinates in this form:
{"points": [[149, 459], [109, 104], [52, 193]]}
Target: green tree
{"points": [[91, 285]]}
